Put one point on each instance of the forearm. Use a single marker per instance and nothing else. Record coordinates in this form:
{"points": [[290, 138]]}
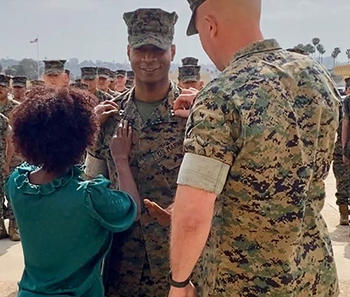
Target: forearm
{"points": [[127, 182], [191, 223], [345, 132]]}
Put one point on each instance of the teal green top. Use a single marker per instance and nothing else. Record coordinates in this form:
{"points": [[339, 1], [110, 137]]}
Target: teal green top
{"points": [[66, 229]]}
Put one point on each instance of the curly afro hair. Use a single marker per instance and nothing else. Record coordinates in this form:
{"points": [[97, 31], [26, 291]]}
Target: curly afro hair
{"points": [[53, 127]]}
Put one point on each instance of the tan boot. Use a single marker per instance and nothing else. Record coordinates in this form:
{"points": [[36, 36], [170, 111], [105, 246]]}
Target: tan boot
{"points": [[3, 233], [13, 231], [344, 214]]}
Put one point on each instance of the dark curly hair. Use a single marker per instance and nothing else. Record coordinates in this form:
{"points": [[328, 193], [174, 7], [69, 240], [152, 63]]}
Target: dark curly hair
{"points": [[53, 127]]}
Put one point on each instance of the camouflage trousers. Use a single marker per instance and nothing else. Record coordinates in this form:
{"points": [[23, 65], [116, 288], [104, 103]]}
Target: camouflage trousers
{"points": [[342, 177], [5, 211]]}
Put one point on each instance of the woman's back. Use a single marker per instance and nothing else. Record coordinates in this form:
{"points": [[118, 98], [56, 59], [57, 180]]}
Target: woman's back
{"points": [[66, 229]]}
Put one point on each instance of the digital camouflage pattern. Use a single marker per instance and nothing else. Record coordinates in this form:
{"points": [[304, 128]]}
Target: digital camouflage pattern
{"points": [[190, 61], [54, 67], [340, 170], [194, 4], [275, 115], [189, 73], [3, 131], [4, 80], [103, 72], [19, 81], [139, 261], [103, 96], [88, 73], [150, 26]]}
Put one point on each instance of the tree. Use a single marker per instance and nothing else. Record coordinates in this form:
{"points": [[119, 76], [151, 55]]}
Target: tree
{"points": [[310, 49], [335, 54], [321, 50], [348, 53], [0, 68], [316, 41]]}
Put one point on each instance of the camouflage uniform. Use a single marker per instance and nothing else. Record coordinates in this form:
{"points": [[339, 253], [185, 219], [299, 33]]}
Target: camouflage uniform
{"points": [[341, 171], [189, 71], [3, 130], [267, 127], [155, 159], [103, 96], [6, 109]]}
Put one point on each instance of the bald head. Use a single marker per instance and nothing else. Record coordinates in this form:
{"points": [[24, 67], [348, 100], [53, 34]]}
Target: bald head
{"points": [[226, 26]]}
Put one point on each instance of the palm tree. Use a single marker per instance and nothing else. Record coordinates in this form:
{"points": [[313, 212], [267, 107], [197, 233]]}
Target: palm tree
{"points": [[321, 50], [335, 54], [309, 48], [315, 41], [348, 53]]}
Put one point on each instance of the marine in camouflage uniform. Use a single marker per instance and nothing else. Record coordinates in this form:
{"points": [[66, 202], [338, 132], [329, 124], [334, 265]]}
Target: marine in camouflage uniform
{"points": [[89, 77], [7, 104], [54, 73], [138, 264], [3, 132], [275, 115], [341, 170], [189, 74]]}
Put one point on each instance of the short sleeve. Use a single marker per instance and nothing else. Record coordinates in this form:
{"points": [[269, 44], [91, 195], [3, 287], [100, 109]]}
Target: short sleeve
{"points": [[114, 210], [210, 142]]}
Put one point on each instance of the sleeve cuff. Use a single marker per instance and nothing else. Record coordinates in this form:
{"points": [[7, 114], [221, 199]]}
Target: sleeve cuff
{"points": [[95, 166], [204, 173]]}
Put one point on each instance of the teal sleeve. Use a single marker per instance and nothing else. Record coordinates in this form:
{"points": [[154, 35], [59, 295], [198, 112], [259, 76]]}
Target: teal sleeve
{"points": [[114, 210]]}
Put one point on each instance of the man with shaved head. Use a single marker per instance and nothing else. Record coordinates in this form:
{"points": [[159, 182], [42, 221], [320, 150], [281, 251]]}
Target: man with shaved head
{"points": [[258, 146]]}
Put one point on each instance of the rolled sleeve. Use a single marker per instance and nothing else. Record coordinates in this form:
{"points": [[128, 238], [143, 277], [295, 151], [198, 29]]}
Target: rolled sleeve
{"points": [[204, 173], [95, 166]]}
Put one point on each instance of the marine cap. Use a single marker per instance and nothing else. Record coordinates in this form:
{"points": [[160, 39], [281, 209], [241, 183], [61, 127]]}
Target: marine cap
{"points": [[54, 67], [19, 81], [103, 72], [194, 4], [88, 73], [37, 82], [79, 85], [121, 72], [150, 26], [130, 74], [189, 73], [5, 80], [189, 61]]}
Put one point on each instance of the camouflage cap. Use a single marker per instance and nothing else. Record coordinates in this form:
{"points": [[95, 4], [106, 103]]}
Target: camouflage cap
{"points": [[189, 73], [130, 74], [189, 61], [79, 85], [103, 72], [150, 26], [194, 4], [37, 82], [19, 81], [88, 73], [5, 80], [121, 72], [54, 67]]}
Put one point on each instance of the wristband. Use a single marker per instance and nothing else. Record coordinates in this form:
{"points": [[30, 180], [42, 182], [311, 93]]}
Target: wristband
{"points": [[179, 285]]}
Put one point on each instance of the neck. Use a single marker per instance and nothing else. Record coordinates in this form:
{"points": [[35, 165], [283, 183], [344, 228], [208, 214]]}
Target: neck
{"points": [[41, 176], [152, 92], [249, 37]]}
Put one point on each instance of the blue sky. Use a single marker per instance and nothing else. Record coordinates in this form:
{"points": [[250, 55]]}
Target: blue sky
{"points": [[94, 29]]}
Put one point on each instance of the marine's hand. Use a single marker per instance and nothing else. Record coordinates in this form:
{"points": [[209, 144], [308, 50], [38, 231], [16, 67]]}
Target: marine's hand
{"points": [[106, 109], [189, 291], [183, 103], [163, 216], [120, 145]]}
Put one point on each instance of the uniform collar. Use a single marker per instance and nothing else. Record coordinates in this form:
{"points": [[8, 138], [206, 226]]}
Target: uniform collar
{"points": [[257, 47]]}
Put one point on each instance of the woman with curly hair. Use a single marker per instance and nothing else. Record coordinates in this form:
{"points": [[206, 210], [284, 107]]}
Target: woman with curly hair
{"points": [[65, 223]]}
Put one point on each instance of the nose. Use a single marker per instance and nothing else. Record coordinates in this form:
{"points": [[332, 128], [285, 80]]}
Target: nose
{"points": [[148, 56]]}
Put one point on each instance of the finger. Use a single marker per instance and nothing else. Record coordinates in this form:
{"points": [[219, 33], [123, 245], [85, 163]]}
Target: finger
{"points": [[188, 91], [109, 113], [183, 100], [182, 113], [111, 103], [130, 133], [125, 128], [120, 130]]}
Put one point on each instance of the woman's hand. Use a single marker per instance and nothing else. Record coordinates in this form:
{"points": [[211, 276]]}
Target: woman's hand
{"points": [[120, 145]]}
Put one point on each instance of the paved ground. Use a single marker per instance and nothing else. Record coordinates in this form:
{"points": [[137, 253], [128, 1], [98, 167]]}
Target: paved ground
{"points": [[11, 258]]}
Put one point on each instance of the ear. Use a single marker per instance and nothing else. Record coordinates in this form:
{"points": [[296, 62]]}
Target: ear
{"points": [[173, 51], [211, 24], [128, 52]]}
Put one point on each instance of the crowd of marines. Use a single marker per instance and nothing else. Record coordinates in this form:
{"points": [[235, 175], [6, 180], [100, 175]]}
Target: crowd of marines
{"points": [[138, 263]]}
